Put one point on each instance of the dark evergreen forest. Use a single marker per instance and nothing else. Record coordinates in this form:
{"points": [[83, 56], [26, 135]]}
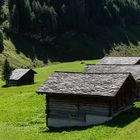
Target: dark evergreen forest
{"points": [[46, 17]]}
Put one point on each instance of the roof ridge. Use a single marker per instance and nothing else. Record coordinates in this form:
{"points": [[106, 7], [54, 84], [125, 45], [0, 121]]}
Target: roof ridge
{"points": [[114, 64], [111, 65], [22, 69], [121, 56], [92, 73]]}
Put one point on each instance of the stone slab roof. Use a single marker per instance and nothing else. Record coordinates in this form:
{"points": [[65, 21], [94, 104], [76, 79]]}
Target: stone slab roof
{"points": [[120, 60], [18, 73], [83, 84], [133, 69]]}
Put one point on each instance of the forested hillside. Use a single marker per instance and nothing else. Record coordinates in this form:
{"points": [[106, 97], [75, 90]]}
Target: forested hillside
{"points": [[65, 30], [47, 17]]}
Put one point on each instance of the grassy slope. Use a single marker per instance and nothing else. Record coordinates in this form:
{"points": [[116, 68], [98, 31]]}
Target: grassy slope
{"points": [[16, 59], [23, 114], [129, 44]]}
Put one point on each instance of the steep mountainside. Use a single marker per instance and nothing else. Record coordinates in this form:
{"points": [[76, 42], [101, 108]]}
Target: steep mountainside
{"points": [[61, 30]]}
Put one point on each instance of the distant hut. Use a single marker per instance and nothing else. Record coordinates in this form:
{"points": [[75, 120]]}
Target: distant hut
{"points": [[21, 77], [133, 69], [77, 99], [120, 60]]}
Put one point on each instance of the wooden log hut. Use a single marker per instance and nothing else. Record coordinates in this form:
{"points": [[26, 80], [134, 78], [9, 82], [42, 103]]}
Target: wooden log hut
{"points": [[133, 69], [120, 60], [21, 77], [80, 99]]}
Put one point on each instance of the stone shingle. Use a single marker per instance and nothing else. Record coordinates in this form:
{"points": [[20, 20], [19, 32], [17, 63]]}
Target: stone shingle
{"points": [[18, 73], [83, 84], [133, 69], [120, 60]]}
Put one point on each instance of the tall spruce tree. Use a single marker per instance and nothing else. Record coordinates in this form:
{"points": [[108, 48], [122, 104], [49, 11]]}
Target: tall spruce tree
{"points": [[1, 4], [6, 70], [14, 18], [28, 12], [1, 10]]}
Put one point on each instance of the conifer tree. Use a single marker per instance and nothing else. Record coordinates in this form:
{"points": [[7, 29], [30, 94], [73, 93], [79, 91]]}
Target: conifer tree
{"points": [[1, 4], [14, 18], [27, 13], [6, 70], [1, 39], [36, 6], [1, 9]]}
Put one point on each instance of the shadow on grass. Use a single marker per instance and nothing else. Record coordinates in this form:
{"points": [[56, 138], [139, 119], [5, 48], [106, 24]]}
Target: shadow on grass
{"points": [[68, 129], [125, 118], [5, 86], [31, 48], [122, 120]]}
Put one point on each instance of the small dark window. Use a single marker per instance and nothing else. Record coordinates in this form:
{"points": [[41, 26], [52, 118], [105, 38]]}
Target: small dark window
{"points": [[73, 115], [77, 116]]}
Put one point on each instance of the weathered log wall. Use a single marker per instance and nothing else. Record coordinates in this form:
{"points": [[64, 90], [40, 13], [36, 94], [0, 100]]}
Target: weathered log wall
{"points": [[78, 109], [125, 96]]}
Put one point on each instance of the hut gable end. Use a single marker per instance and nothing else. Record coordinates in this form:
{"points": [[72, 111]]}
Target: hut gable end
{"points": [[21, 77], [19, 73]]}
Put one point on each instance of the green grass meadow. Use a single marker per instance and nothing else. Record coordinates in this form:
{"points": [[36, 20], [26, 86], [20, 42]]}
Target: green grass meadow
{"points": [[22, 114]]}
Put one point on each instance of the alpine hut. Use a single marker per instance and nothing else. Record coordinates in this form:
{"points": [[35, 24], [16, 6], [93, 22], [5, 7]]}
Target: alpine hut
{"points": [[120, 60], [80, 99], [133, 69], [21, 77]]}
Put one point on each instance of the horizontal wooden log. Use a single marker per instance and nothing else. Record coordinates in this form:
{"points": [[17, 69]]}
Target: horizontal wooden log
{"points": [[60, 105]]}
